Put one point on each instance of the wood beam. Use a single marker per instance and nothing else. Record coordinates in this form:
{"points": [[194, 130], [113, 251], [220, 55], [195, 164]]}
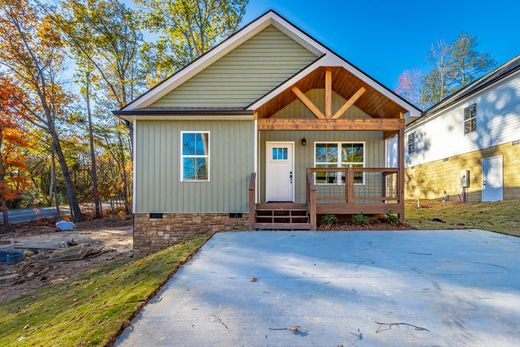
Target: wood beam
{"points": [[308, 103], [349, 103], [373, 124], [328, 93]]}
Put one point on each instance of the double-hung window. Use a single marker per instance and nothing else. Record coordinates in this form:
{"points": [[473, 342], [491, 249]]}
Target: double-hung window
{"points": [[470, 119], [411, 143], [195, 156], [338, 155]]}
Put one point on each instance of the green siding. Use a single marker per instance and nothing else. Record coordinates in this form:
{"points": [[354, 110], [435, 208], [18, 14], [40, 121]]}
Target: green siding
{"points": [[243, 75], [304, 155], [296, 109], [158, 186]]}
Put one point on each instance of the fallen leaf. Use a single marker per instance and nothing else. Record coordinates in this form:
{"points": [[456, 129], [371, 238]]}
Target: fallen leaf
{"points": [[253, 279]]}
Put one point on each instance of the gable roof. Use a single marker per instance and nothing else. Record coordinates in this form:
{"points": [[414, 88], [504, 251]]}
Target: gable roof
{"points": [[485, 81], [326, 57]]}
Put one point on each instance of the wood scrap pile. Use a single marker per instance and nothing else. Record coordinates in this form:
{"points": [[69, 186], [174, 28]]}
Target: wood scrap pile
{"points": [[78, 252]]}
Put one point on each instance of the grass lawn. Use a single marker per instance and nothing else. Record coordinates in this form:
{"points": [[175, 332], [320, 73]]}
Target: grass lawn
{"points": [[502, 217], [93, 307]]}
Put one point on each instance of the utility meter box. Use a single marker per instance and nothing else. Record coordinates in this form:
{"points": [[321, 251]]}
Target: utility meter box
{"points": [[464, 178]]}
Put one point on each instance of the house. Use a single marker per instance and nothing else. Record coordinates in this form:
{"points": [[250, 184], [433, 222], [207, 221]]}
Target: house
{"points": [[268, 130], [467, 146]]}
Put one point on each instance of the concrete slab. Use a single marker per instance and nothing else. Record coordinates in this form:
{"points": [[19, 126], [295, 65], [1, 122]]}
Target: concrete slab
{"points": [[462, 287]]}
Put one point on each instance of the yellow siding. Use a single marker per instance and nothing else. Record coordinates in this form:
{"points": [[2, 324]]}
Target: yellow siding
{"points": [[441, 177]]}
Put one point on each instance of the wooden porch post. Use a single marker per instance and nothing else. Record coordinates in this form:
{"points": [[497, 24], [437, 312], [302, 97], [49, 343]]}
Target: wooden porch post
{"points": [[251, 201], [401, 172]]}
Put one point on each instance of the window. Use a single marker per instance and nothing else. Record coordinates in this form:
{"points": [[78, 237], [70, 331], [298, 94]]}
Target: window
{"points": [[195, 156], [470, 119], [279, 153], [338, 154], [411, 143]]}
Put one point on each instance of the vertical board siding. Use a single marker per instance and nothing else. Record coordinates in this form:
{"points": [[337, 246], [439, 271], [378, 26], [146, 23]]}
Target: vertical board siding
{"points": [[498, 122], [158, 186], [244, 75], [304, 155], [297, 109]]}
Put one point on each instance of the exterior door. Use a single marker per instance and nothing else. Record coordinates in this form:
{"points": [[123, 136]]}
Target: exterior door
{"points": [[279, 171], [492, 179]]}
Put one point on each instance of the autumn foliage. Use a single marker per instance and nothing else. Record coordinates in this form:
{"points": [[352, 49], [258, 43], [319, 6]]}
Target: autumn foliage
{"points": [[13, 142]]}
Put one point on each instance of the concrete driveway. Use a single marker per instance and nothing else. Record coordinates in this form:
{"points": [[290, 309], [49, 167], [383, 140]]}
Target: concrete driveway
{"points": [[453, 288]]}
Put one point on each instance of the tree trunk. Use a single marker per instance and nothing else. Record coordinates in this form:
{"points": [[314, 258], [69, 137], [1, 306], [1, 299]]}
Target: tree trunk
{"points": [[3, 187], [71, 196], [123, 168], [93, 171], [55, 187]]}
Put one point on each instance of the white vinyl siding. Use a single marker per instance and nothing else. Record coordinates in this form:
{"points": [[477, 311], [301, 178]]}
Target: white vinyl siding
{"points": [[497, 118]]}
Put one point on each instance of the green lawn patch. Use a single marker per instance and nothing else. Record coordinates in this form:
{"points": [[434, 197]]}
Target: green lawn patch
{"points": [[502, 217], [91, 309]]}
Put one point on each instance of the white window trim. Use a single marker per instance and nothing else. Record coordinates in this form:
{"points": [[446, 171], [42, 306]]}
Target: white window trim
{"points": [[208, 156], [464, 120], [339, 143]]}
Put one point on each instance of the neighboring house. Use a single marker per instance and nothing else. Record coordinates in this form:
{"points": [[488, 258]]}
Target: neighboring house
{"points": [[268, 130], [475, 134]]}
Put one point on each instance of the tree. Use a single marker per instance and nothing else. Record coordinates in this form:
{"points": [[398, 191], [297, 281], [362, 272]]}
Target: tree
{"points": [[409, 86], [31, 51], [466, 62], [187, 29], [454, 66], [437, 80], [85, 77], [104, 34], [12, 141]]}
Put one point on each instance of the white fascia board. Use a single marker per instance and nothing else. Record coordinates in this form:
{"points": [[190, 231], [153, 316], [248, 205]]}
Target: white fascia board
{"points": [[219, 51], [181, 117], [331, 59]]}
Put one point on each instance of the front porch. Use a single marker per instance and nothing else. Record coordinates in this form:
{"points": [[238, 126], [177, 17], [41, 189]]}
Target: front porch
{"points": [[323, 150]]}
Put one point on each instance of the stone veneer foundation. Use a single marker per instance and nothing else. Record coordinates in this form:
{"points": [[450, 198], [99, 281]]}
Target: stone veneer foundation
{"points": [[153, 234]]}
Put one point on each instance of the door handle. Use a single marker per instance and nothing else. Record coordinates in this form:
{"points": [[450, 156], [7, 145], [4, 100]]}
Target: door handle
{"points": [[290, 176]]}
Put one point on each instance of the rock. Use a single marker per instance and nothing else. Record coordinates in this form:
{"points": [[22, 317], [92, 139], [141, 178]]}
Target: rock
{"points": [[65, 226]]}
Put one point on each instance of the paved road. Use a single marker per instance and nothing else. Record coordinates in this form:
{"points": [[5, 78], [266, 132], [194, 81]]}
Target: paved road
{"points": [[30, 214], [454, 288]]}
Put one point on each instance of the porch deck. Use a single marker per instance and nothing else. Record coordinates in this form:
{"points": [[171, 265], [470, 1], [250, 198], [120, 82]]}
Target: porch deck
{"points": [[353, 191]]}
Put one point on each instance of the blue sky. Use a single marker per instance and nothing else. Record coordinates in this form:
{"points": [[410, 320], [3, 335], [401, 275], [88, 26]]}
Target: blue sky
{"points": [[383, 38]]}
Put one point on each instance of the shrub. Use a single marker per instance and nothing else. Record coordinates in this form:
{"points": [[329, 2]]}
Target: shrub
{"points": [[360, 219], [392, 218], [330, 219]]}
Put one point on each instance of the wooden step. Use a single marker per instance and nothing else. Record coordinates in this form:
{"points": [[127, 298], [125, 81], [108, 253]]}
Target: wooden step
{"points": [[280, 206], [283, 217], [281, 209], [283, 226]]}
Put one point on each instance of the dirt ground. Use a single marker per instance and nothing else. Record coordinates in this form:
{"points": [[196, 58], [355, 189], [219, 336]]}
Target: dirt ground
{"points": [[111, 237]]}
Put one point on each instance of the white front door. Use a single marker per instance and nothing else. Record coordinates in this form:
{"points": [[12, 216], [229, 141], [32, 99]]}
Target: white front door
{"points": [[279, 171], [492, 179]]}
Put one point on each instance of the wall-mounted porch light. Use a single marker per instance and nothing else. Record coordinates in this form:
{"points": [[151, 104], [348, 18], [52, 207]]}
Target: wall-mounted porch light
{"points": [[304, 141]]}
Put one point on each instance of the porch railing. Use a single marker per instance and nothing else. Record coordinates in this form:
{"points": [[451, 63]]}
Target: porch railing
{"points": [[355, 186]]}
